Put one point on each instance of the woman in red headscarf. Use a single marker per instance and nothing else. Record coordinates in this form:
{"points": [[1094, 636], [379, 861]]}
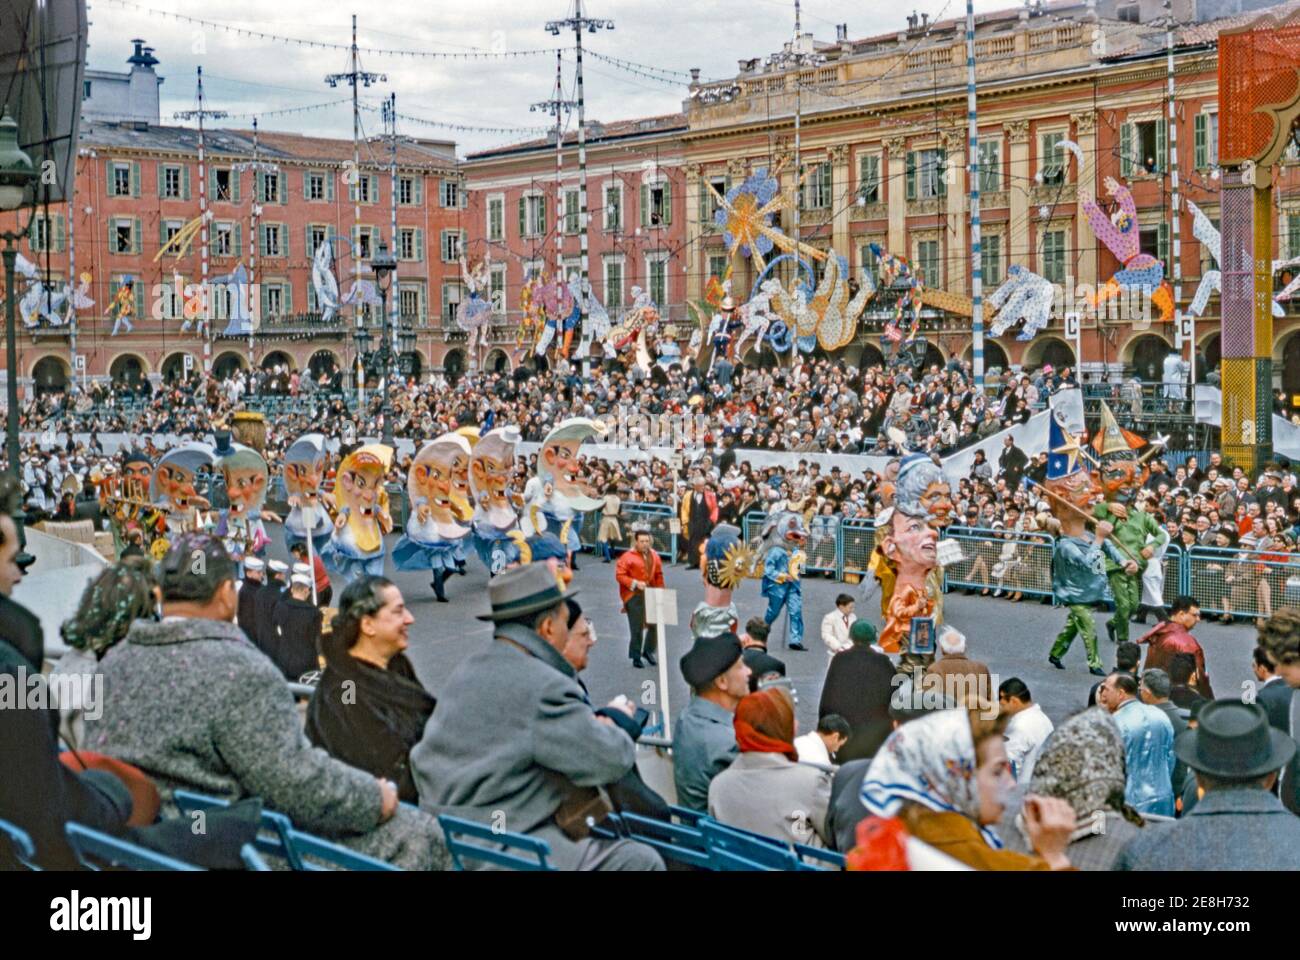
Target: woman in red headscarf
{"points": [[766, 790]]}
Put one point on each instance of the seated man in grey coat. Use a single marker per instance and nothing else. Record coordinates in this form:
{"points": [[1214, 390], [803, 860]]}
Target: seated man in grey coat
{"points": [[192, 703], [1238, 824], [514, 741], [704, 737]]}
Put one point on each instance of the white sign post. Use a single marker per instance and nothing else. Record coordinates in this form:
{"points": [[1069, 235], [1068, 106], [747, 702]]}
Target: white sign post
{"points": [[1074, 331], [661, 610], [309, 524]]}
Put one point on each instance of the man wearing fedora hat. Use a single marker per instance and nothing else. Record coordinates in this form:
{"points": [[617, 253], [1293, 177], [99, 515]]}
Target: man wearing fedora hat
{"points": [[1238, 823], [514, 741]]}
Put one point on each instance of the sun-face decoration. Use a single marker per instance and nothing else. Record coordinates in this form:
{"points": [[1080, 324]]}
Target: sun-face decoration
{"points": [[745, 215]]}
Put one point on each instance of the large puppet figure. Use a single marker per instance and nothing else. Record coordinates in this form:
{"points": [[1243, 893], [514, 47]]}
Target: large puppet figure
{"points": [[125, 500], [305, 463], [357, 546], [716, 614], [490, 467], [1120, 232], [1137, 535], [1078, 561], [784, 537], [910, 544], [435, 537], [562, 491], [475, 313], [240, 525], [174, 487]]}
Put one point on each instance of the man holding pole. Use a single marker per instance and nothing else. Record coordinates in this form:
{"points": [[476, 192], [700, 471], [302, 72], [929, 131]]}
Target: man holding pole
{"points": [[1078, 572], [1139, 536]]}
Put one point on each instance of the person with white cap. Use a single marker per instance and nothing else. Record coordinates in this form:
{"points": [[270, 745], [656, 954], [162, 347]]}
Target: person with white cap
{"points": [[277, 575], [252, 584], [294, 637]]}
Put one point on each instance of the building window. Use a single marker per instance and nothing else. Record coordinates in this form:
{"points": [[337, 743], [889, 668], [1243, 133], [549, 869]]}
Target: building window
{"points": [[450, 193], [657, 275], [223, 244], [613, 207], [272, 241], [927, 172], [869, 264], [570, 211], [816, 191], [1130, 14], [315, 186], [171, 183], [718, 265], [410, 244], [990, 166], [656, 204], [869, 178], [270, 187], [121, 184], [123, 236], [40, 235], [497, 288], [222, 191], [411, 304], [451, 293], [405, 191], [927, 259], [1206, 139], [274, 299], [1143, 147], [365, 189], [170, 229], [532, 215], [613, 283], [85, 90], [363, 243], [1054, 256], [1053, 161], [452, 245], [496, 218], [1154, 241], [317, 236], [991, 261]]}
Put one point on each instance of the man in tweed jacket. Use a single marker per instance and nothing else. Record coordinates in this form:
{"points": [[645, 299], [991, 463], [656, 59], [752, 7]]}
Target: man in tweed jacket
{"points": [[196, 706]]}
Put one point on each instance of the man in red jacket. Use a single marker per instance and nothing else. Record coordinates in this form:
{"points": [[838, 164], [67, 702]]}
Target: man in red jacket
{"points": [[1174, 636], [636, 570]]}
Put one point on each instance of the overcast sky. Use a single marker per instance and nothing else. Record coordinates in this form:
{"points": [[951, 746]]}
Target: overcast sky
{"points": [[244, 75]]}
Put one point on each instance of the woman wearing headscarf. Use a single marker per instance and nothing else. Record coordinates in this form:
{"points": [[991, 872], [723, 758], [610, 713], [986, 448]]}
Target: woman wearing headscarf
{"points": [[766, 790], [120, 595], [947, 779], [1082, 763], [369, 708]]}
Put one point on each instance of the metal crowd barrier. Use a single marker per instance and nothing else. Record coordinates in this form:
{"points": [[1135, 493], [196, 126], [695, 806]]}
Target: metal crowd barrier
{"points": [[1242, 583], [857, 540], [1010, 560], [658, 517]]}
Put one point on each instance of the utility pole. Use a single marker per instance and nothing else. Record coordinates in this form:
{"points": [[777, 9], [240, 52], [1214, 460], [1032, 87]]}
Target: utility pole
{"points": [[578, 23], [1175, 240], [390, 137], [557, 106], [255, 212], [973, 174], [202, 114], [353, 77]]}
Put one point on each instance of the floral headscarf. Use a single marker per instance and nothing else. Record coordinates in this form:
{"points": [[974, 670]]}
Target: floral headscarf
{"points": [[931, 762], [1082, 762]]}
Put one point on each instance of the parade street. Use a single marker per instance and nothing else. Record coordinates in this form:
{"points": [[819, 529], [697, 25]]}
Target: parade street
{"points": [[1012, 638]]}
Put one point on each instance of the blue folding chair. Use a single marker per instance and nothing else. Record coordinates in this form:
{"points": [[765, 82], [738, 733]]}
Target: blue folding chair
{"points": [[530, 853], [808, 859], [273, 837], [94, 848], [20, 844], [731, 849], [333, 855], [253, 860], [682, 842]]}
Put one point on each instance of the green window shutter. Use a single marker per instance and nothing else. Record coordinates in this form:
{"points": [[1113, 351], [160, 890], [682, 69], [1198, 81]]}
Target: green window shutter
{"points": [[137, 237], [352, 191], [374, 188], [418, 194], [287, 297], [311, 299], [1162, 245], [260, 179], [419, 245], [239, 240], [162, 232], [261, 240], [1293, 234], [112, 248], [284, 187], [941, 173], [306, 184], [1201, 139], [541, 221], [60, 236], [212, 185], [139, 299], [706, 201], [135, 179], [265, 298], [1162, 145], [523, 217], [285, 250], [1126, 150], [234, 185], [645, 205], [910, 169], [329, 185], [162, 178], [668, 201], [306, 242], [185, 182]]}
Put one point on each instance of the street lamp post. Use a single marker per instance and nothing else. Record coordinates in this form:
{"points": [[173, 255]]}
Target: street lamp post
{"points": [[383, 263], [16, 172]]}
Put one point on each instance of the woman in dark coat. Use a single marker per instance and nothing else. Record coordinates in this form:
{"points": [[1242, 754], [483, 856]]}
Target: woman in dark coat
{"points": [[858, 686], [369, 709]]}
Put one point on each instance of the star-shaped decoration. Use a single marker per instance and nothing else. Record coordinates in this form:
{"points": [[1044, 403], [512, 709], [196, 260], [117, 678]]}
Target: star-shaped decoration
{"points": [[1070, 450]]}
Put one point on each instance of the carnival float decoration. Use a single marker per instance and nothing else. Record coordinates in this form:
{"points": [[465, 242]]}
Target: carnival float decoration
{"points": [[123, 307], [174, 488], [437, 530], [124, 498], [305, 464], [240, 525], [474, 314], [491, 466], [1141, 272], [1023, 296], [561, 491], [1204, 230], [722, 572], [357, 544]]}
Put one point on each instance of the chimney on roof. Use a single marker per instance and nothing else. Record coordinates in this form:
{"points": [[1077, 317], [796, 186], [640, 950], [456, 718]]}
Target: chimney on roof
{"points": [[925, 20], [695, 75], [911, 21], [841, 32]]}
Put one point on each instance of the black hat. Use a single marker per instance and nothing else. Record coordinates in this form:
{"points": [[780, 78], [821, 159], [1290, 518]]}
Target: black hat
{"points": [[710, 657], [1233, 740]]}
